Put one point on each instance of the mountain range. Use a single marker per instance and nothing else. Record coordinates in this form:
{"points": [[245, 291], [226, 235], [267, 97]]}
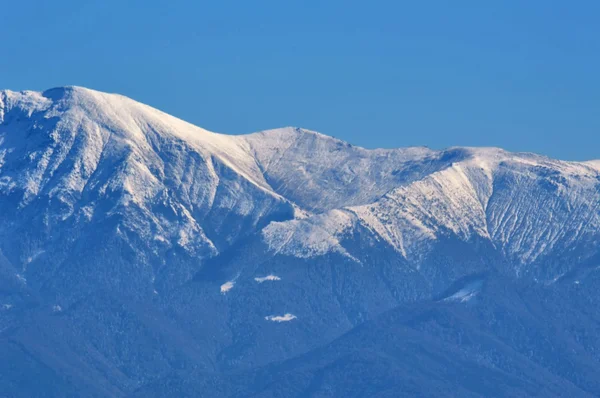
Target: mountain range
{"points": [[141, 255]]}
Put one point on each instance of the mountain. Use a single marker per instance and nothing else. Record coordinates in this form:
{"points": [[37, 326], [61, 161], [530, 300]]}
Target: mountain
{"points": [[142, 255]]}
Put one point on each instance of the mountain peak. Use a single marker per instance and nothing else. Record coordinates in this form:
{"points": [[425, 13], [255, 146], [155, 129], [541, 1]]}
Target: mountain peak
{"points": [[295, 133]]}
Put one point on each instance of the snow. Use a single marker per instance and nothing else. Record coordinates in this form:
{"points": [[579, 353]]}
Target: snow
{"points": [[227, 286], [95, 156], [486, 192], [593, 163], [280, 318], [137, 127], [462, 295], [410, 216], [35, 255], [321, 173], [267, 278], [466, 293], [309, 237], [103, 155]]}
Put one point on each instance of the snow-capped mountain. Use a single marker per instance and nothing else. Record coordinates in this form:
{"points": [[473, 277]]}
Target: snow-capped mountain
{"points": [[154, 246]]}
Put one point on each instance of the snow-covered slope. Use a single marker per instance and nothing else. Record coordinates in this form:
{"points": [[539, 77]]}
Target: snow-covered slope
{"points": [[321, 173], [76, 157], [528, 206], [73, 159]]}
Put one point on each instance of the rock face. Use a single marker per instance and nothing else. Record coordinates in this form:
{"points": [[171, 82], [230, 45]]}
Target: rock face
{"points": [[140, 254]]}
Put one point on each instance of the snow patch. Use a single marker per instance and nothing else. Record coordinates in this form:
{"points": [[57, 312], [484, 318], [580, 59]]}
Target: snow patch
{"points": [[281, 318], [463, 295], [88, 212], [267, 278], [466, 293], [227, 286], [34, 256], [314, 236]]}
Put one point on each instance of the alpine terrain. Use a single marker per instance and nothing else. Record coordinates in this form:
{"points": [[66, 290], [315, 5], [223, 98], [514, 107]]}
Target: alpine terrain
{"points": [[143, 256]]}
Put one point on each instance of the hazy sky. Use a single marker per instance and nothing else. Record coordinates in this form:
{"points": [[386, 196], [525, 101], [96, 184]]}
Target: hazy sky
{"points": [[523, 75]]}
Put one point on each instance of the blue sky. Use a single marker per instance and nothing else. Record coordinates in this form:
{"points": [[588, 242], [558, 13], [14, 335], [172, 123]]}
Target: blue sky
{"points": [[523, 75]]}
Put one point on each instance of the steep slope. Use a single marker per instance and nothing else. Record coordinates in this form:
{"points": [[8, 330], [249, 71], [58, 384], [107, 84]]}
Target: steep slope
{"points": [[74, 162]]}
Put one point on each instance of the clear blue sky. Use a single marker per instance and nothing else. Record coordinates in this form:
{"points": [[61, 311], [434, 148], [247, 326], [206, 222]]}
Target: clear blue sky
{"points": [[523, 75]]}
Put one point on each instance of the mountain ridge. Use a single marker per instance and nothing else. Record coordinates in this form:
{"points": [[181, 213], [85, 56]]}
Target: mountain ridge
{"points": [[74, 88], [306, 172], [157, 248]]}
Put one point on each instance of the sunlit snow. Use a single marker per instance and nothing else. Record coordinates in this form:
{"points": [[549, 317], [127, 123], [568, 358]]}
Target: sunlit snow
{"points": [[227, 286], [466, 293], [267, 278], [462, 295], [409, 199], [280, 318]]}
